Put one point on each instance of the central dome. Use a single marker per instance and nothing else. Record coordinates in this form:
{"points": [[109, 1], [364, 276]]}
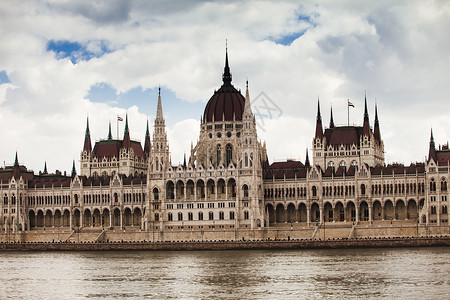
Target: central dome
{"points": [[227, 104]]}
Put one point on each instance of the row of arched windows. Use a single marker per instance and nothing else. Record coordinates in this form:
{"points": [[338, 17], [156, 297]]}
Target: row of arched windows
{"points": [[48, 200], [286, 192]]}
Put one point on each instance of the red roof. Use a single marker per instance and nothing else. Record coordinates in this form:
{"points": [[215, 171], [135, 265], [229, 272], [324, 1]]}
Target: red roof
{"points": [[346, 135], [443, 157], [111, 148], [226, 101], [288, 169]]}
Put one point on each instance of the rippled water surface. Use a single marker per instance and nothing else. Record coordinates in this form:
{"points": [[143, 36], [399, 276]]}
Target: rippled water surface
{"points": [[413, 273]]}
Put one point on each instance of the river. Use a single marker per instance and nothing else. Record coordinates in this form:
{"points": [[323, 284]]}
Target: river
{"points": [[400, 273]]}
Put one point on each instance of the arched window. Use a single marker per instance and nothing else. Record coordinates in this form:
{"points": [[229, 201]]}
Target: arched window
{"points": [[229, 152], [432, 185], [246, 217], [170, 217], [200, 216], [170, 190], [156, 164], [443, 184], [246, 160], [363, 189], [314, 191], [156, 194], [245, 189]]}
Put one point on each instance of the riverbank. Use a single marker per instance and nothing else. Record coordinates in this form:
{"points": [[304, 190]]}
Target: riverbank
{"points": [[231, 245]]}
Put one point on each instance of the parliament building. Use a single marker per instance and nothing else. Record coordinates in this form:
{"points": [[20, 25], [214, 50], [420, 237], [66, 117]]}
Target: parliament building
{"points": [[227, 184]]}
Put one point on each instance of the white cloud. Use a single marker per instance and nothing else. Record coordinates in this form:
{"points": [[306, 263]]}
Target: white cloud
{"points": [[397, 52]]}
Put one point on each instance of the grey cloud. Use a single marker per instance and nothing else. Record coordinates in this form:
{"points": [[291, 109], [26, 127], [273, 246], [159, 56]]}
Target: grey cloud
{"points": [[101, 12]]}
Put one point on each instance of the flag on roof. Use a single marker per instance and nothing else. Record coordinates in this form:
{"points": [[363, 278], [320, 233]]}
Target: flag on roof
{"points": [[350, 104], [119, 118]]}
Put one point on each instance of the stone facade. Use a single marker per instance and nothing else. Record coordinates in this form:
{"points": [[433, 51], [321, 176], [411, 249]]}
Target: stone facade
{"points": [[227, 185]]}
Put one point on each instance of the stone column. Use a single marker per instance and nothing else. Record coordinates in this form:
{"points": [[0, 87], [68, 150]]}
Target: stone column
{"points": [[110, 219], [357, 213], [321, 215], [308, 215], [370, 213]]}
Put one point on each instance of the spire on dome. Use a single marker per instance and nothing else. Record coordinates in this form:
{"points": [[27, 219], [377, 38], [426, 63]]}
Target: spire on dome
{"points": [[87, 138], [319, 128], [432, 150], [109, 133], [74, 171], [226, 71], [45, 168], [376, 127], [366, 126], [126, 135], [147, 144], [331, 118]]}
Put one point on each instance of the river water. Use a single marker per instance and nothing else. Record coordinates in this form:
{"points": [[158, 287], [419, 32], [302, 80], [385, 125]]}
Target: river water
{"points": [[407, 273]]}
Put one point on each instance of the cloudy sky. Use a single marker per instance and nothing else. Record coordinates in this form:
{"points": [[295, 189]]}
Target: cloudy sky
{"points": [[61, 61]]}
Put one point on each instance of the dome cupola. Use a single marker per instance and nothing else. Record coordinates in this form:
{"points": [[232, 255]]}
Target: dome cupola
{"points": [[227, 103]]}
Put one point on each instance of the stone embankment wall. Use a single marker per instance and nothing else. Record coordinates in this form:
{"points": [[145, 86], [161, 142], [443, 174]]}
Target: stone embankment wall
{"points": [[231, 245], [336, 232]]}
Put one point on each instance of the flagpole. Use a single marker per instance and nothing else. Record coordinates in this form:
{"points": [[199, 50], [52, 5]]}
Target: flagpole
{"points": [[348, 114], [117, 120]]}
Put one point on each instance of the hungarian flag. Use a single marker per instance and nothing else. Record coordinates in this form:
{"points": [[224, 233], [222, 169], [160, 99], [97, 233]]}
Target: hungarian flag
{"points": [[350, 104], [119, 118]]}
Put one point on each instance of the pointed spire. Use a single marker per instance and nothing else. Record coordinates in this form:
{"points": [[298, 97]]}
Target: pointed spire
{"points": [[184, 163], [247, 105], [366, 126], [331, 118], [226, 71], [159, 112], [127, 130], [109, 133], [432, 150], [307, 164], [87, 138], [16, 170], [74, 171], [147, 144], [16, 161], [376, 127], [126, 134], [319, 128], [45, 168]]}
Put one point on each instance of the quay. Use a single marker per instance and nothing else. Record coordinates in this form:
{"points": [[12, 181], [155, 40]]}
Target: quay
{"points": [[437, 241]]}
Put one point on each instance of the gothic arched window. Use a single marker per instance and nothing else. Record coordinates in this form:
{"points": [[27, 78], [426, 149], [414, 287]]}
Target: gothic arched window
{"points": [[229, 152]]}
